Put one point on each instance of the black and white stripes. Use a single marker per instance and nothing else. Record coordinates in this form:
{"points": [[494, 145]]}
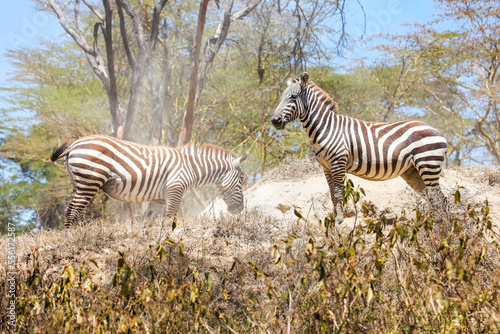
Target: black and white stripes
{"points": [[132, 172], [375, 151]]}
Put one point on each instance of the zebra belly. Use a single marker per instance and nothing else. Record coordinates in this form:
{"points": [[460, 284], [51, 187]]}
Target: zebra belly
{"points": [[373, 178], [383, 174], [114, 187]]}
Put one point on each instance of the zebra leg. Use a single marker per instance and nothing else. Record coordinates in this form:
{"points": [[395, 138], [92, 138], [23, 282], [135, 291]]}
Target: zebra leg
{"points": [[429, 175], [437, 199], [174, 199], [413, 178], [336, 195], [76, 209], [154, 209]]}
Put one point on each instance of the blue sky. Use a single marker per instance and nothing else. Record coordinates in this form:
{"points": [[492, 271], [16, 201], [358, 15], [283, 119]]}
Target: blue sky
{"points": [[387, 16], [22, 26], [382, 17]]}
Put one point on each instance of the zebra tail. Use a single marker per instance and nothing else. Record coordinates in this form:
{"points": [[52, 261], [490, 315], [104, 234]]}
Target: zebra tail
{"points": [[60, 152]]}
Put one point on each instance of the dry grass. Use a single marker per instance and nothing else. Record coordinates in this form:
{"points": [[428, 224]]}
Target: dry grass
{"points": [[97, 244], [251, 273], [480, 174]]}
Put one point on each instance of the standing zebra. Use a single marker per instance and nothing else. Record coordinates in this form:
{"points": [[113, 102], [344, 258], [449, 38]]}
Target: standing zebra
{"points": [[132, 172], [373, 151]]}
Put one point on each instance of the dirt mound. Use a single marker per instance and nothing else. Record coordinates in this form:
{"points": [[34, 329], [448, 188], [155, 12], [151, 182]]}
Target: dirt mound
{"points": [[302, 185]]}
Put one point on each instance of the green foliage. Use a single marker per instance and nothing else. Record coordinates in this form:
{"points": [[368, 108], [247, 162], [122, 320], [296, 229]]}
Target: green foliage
{"points": [[9, 214], [65, 98], [358, 93], [53, 98]]}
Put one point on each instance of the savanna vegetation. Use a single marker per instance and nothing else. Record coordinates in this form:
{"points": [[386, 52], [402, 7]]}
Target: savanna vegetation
{"points": [[172, 72], [256, 274]]}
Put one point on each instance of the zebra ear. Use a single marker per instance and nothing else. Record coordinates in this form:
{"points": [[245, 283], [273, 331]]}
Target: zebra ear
{"points": [[239, 160], [290, 81], [304, 78]]}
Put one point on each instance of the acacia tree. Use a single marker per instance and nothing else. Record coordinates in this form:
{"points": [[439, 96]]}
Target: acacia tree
{"points": [[140, 63], [475, 48], [104, 64], [104, 67], [51, 96], [239, 95], [459, 74]]}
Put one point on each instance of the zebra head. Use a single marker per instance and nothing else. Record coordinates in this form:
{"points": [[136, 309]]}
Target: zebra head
{"points": [[231, 186], [291, 105]]}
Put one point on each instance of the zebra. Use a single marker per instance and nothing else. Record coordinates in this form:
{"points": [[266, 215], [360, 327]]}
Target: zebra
{"points": [[131, 172], [374, 151]]}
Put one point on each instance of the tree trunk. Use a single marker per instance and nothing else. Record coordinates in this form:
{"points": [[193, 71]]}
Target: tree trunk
{"points": [[187, 125], [158, 83], [200, 68]]}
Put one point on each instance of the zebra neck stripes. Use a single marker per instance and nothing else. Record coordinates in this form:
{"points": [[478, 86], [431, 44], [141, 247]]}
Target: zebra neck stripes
{"points": [[206, 164]]}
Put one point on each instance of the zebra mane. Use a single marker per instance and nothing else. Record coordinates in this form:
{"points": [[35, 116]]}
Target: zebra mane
{"points": [[207, 149], [324, 96]]}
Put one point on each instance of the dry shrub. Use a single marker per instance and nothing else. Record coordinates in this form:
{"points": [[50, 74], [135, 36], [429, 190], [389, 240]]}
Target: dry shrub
{"points": [[494, 176], [255, 274]]}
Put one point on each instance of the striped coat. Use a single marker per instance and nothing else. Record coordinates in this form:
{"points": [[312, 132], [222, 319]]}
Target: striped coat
{"points": [[374, 151], [132, 172]]}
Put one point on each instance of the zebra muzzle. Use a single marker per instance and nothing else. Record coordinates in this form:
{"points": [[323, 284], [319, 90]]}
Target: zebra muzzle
{"points": [[235, 208], [278, 123]]}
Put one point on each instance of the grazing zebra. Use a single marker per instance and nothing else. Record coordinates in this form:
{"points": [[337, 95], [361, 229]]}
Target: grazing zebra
{"points": [[374, 151], [132, 172]]}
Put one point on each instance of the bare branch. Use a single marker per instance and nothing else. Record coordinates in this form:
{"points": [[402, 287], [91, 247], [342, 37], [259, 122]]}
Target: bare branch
{"points": [[214, 44], [113, 87], [92, 52], [136, 18], [123, 33], [245, 10], [155, 25], [76, 35], [94, 10], [216, 41], [187, 126]]}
